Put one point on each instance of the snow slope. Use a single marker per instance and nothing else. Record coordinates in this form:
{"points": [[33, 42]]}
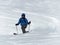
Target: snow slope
{"points": [[45, 17]]}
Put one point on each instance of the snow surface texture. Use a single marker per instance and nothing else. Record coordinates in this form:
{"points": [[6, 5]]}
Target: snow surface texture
{"points": [[45, 26]]}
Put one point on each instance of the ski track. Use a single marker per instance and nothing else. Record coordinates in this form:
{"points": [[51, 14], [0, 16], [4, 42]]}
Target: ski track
{"points": [[45, 26]]}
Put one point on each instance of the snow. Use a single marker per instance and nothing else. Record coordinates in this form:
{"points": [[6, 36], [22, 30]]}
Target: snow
{"points": [[45, 26]]}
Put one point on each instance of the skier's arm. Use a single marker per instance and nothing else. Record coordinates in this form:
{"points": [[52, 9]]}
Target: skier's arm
{"points": [[18, 22], [28, 22]]}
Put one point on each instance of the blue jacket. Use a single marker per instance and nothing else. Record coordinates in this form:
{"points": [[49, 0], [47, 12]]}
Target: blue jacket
{"points": [[23, 21]]}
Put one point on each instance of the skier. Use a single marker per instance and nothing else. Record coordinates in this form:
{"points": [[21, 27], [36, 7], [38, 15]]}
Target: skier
{"points": [[23, 22]]}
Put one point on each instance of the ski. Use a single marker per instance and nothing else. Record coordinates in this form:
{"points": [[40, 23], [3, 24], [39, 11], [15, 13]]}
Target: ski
{"points": [[18, 34], [15, 34]]}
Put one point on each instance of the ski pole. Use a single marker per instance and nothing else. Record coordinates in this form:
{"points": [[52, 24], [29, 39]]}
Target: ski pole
{"points": [[16, 29], [29, 27]]}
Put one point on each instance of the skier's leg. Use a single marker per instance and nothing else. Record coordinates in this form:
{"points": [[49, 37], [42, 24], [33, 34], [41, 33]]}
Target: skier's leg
{"points": [[23, 29]]}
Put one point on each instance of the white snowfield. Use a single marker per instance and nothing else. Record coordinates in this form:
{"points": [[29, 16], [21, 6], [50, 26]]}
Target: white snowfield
{"points": [[45, 18]]}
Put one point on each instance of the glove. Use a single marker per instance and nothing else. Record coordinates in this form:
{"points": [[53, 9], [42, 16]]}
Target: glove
{"points": [[16, 24], [29, 22]]}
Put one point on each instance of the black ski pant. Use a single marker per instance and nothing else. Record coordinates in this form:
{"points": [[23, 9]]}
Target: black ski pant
{"points": [[23, 28]]}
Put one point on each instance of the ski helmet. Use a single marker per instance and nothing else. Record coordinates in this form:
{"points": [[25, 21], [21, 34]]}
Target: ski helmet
{"points": [[23, 14]]}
